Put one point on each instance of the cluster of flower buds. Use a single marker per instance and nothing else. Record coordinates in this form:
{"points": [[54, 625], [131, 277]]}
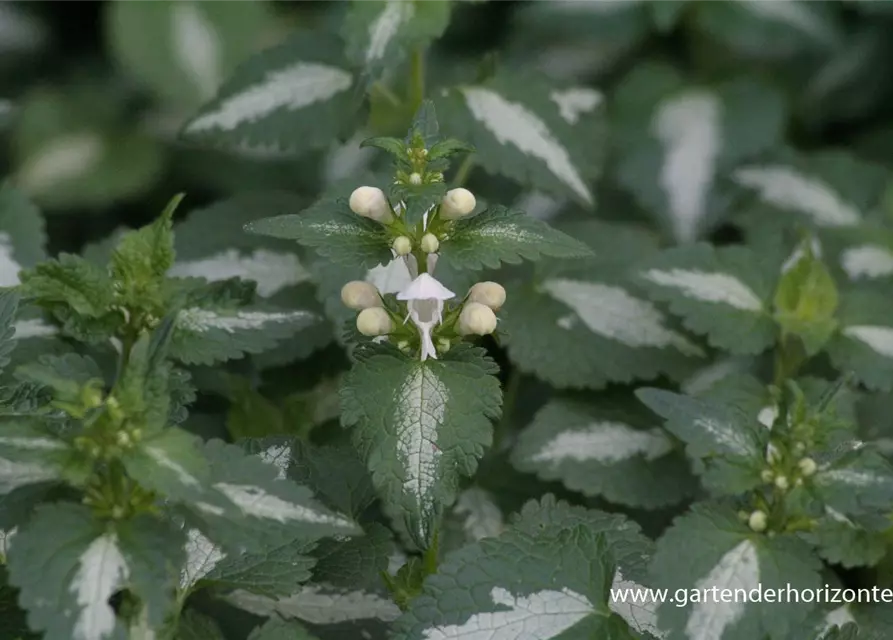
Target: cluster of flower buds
{"points": [[478, 316], [373, 319]]}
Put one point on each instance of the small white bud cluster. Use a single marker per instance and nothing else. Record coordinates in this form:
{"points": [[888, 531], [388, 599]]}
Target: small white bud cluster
{"points": [[371, 202], [457, 203], [478, 316], [372, 320]]}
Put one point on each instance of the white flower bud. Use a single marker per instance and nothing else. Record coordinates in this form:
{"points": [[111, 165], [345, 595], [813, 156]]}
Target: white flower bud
{"points": [[358, 295], [807, 466], [374, 321], [782, 483], [415, 178], [476, 318], [766, 475], [757, 521], [490, 294], [457, 203], [443, 345], [402, 245], [430, 243], [370, 202]]}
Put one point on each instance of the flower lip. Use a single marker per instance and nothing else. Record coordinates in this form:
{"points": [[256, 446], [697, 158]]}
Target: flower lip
{"points": [[425, 287]]}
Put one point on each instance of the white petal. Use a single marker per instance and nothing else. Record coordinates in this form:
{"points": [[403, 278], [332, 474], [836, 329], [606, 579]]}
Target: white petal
{"points": [[425, 287], [688, 126], [392, 278], [512, 123], [785, 188], [295, 87], [709, 287], [739, 568]]}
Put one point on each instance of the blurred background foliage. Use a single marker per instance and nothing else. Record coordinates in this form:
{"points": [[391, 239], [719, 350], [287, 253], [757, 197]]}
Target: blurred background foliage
{"points": [[93, 95]]}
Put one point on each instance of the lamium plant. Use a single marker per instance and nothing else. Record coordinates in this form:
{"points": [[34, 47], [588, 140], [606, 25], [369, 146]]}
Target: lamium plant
{"points": [[441, 320]]}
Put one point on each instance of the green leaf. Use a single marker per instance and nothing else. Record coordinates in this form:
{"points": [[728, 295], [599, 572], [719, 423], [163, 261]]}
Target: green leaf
{"points": [[84, 563], [70, 376], [728, 555], [205, 335], [763, 33], [860, 482], [71, 281], [505, 582], [183, 51], [864, 344], [499, 235], [677, 142], [277, 629], [334, 231], [842, 541], [252, 110], [574, 332], [246, 506], [192, 625], [349, 491], [729, 441], [22, 234], [421, 425], [610, 450], [829, 189], [346, 586], [273, 572], [9, 306], [524, 127], [723, 293], [212, 244], [30, 454], [379, 34], [474, 516], [806, 299], [170, 462], [143, 257]]}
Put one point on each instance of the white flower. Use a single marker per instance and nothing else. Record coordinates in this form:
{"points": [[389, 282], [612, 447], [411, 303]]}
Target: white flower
{"points": [[371, 202], [490, 294], [415, 178], [425, 297], [360, 295], [374, 321], [477, 318], [402, 245], [807, 466], [429, 243], [757, 521], [457, 203]]}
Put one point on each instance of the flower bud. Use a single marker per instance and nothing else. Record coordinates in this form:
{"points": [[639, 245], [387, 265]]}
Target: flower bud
{"points": [[782, 483], [415, 178], [766, 475], [374, 321], [457, 203], [807, 466], [370, 202], [402, 246], [476, 318], [490, 294], [358, 294], [430, 243], [757, 521]]}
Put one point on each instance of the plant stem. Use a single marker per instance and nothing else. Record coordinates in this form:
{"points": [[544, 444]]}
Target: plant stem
{"points": [[510, 394], [464, 171], [417, 79], [387, 94]]}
